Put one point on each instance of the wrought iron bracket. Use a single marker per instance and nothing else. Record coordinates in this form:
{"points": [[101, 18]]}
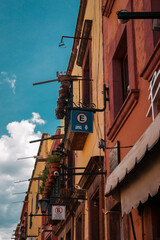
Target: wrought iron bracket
{"points": [[82, 38], [94, 110], [68, 168], [39, 215], [83, 173]]}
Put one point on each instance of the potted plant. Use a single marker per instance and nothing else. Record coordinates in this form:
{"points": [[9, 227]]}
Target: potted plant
{"points": [[54, 161], [65, 79], [64, 93], [59, 113], [43, 178], [61, 103]]}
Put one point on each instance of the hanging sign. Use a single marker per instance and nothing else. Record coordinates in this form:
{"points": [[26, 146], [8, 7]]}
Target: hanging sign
{"points": [[81, 121], [58, 212]]}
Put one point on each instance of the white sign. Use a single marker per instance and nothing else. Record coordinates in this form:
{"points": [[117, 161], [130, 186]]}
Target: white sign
{"points": [[58, 212]]}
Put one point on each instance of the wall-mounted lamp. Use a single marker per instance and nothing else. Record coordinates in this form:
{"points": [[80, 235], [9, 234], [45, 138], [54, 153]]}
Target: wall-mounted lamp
{"points": [[124, 16], [44, 204], [61, 44]]}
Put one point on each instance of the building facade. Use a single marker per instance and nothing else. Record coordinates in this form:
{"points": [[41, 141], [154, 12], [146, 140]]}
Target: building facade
{"points": [[131, 71], [106, 185]]}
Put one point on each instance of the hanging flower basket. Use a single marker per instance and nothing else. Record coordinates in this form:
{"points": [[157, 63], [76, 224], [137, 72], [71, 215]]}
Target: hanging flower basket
{"points": [[61, 103], [64, 93], [59, 113], [51, 179], [65, 80], [55, 167], [54, 162], [45, 193], [47, 184]]}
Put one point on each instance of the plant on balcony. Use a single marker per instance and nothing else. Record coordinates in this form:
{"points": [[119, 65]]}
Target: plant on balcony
{"points": [[43, 178], [59, 113], [65, 78], [61, 103], [54, 161], [64, 93]]}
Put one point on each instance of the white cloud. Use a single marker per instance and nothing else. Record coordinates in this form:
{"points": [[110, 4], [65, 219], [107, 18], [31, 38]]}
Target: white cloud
{"points": [[4, 73], [12, 146], [10, 79], [36, 118], [6, 235]]}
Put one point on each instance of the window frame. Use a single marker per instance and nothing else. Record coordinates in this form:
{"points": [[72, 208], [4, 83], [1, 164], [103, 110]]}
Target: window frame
{"points": [[119, 110]]}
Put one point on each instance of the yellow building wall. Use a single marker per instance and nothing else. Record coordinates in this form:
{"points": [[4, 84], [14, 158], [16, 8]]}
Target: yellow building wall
{"points": [[93, 12], [35, 230]]}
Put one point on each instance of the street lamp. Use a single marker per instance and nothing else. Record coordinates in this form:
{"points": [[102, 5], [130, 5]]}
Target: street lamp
{"points": [[43, 204], [124, 16]]}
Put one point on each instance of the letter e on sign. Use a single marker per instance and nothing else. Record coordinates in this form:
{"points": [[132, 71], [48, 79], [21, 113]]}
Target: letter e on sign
{"points": [[82, 118]]}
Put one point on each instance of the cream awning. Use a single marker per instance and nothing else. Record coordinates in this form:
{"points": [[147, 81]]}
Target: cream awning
{"points": [[138, 181]]}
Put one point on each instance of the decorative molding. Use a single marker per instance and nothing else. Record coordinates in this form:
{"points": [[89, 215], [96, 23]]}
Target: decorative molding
{"points": [[94, 164], [123, 114], [82, 49], [106, 10], [152, 64]]}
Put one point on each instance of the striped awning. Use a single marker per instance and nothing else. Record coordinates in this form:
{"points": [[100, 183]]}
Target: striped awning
{"points": [[135, 186]]}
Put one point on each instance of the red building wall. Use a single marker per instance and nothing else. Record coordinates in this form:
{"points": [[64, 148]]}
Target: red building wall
{"points": [[126, 122]]}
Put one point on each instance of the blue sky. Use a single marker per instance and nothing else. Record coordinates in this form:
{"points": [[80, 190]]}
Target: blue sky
{"points": [[30, 32]]}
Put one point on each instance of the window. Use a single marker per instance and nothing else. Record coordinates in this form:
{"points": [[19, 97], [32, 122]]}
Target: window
{"points": [[120, 74], [154, 95], [37, 202], [79, 228], [86, 92], [68, 235], [122, 78], [94, 217], [125, 77], [86, 84]]}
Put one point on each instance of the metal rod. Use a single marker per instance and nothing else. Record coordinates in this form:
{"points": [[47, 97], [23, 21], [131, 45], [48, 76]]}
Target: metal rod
{"points": [[76, 168], [84, 173], [118, 147], [42, 160], [20, 202], [33, 236], [48, 81], [54, 80], [18, 193], [65, 167], [85, 38], [47, 230], [52, 137], [22, 181], [39, 215], [138, 15], [132, 225], [69, 198], [30, 179], [25, 158]]}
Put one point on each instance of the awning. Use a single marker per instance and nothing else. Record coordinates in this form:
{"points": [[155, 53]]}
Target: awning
{"points": [[135, 178]]}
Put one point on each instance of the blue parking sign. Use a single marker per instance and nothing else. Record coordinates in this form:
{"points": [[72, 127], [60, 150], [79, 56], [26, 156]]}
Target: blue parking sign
{"points": [[81, 121]]}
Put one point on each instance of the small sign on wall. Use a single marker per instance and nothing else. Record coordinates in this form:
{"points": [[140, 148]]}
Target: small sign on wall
{"points": [[81, 121], [114, 157], [58, 212]]}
